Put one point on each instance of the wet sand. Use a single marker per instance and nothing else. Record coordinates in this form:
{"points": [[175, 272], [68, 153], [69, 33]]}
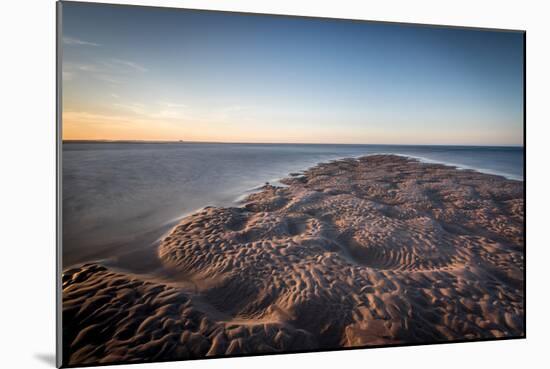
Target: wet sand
{"points": [[372, 251]]}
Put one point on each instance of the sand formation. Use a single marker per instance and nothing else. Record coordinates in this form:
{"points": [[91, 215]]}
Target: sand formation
{"points": [[378, 250]]}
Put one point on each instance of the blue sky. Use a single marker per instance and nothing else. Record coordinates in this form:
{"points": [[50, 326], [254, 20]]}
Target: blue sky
{"points": [[164, 74]]}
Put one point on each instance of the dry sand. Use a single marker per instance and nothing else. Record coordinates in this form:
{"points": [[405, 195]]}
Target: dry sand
{"points": [[374, 251]]}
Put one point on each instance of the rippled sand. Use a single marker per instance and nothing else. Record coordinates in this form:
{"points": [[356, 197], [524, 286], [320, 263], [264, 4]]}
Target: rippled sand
{"points": [[375, 251]]}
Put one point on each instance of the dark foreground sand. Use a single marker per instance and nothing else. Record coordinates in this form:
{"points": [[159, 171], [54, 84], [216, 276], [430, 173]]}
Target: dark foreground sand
{"points": [[380, 250]]}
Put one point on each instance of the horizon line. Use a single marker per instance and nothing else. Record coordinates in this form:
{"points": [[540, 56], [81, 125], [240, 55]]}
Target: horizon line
{"points": [[274, 143]]}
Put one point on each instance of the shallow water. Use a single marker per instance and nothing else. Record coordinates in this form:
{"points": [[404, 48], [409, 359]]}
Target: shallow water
{"points": [[120, 197]]}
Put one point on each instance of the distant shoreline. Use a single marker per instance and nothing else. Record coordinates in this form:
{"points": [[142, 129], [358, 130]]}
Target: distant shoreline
{"points": [[279, 143]]}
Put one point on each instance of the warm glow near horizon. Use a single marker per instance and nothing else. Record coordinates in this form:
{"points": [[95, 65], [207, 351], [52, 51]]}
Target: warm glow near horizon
{"points": [[218, 77]]}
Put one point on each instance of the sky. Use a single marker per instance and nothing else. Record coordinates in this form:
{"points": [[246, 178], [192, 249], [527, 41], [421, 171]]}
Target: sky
{"points": [[141, 73]]}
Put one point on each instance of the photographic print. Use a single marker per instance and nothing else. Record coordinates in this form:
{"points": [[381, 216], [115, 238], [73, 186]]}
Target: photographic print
{"points": [[245, 184]]}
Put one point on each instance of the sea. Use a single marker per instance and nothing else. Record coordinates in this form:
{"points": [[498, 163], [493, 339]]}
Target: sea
{"points": [[120, 197]]}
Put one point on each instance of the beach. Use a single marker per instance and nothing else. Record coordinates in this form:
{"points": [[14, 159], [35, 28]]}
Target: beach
{"points": [[358, 252]]}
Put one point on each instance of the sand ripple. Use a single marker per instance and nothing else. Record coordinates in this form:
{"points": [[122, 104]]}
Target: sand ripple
{"points": [[378, 250]]}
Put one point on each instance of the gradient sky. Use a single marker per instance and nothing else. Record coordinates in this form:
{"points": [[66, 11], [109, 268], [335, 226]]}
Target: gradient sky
{"points": [[138, 73]]}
